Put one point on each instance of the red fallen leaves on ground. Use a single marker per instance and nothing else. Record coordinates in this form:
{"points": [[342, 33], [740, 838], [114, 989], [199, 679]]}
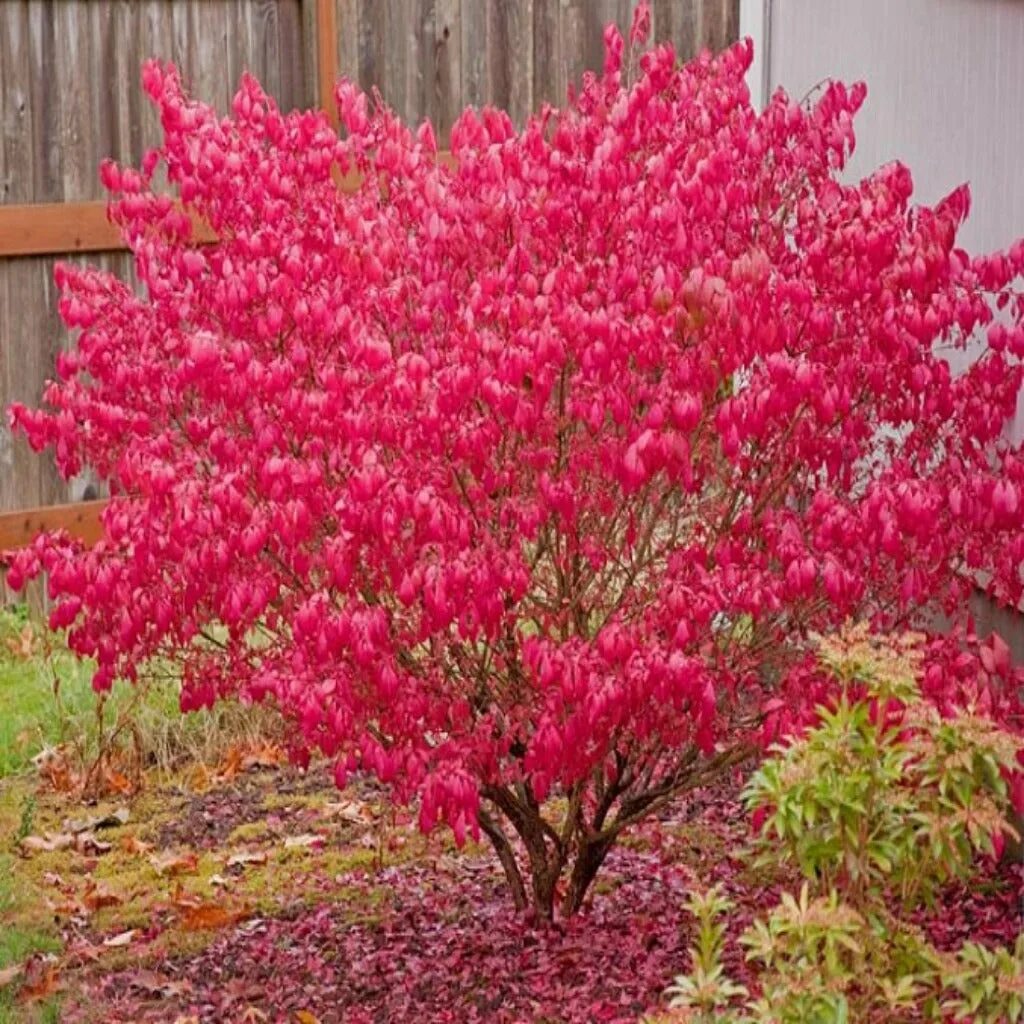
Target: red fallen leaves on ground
{"points": [[438, 943], [446, 949]]}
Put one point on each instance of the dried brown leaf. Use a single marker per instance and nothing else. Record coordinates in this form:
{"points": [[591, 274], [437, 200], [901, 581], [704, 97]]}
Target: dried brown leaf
{"points": [[96, 897], [244, 857], [173, 864], [308, 839], [134, 845], [210, 916]]}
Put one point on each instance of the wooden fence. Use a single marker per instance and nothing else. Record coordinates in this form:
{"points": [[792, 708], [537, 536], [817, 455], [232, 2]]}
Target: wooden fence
{"points": [[70, 96]]}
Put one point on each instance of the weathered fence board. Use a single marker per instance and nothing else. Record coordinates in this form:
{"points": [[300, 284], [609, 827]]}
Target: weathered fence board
{"points": [[70, 96], [432, 58]]}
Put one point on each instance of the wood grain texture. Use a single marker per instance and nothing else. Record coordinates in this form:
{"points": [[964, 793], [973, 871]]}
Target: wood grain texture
{"points": [[41, 229], [81, 520], [70, 96], [446, 86], [327, 57]]}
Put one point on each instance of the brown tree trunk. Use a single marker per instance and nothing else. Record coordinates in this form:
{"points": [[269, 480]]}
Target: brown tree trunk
{"points": [[507, 857], [589, 858]]}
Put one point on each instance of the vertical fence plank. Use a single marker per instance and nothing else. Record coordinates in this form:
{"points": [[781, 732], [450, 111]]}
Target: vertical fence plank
{"points": [[447, 82], [474, 56], [44, 104], [103, 88], [512, 35], [292, 92], [347, 32], [17, 156], [549, 81]]}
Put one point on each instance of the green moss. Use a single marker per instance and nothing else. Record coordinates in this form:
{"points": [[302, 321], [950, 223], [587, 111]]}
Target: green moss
{"points": [[24, 929], [248, 832], [47, 1012], [290, 801]]}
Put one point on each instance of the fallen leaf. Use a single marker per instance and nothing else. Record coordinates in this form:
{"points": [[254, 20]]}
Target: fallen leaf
{"points": [[133, 844], [350, 810], [306, 840], [156, 984], [112, 820], [244, 857], [210, 916], [96, 897], [54, 767], [306, 1017], [264, 755], [69, 907], [40, 977], [121, 939], [116, 782], [221, 881], [175, 863], [49, 842], [52, 878], [86, 842]]}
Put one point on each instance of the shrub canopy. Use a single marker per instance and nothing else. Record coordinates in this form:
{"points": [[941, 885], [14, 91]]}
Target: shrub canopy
{"points": [[535, 470]]}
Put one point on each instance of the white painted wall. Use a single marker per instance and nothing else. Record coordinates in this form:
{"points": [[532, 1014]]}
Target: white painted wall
{"points": [[945, 85]]}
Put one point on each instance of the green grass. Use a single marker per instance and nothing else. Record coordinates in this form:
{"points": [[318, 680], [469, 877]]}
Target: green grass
{"points": [[47, 699], [33, 717], [17, 943]]}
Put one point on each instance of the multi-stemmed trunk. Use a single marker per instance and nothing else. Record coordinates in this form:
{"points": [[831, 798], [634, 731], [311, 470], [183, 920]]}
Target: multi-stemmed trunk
{"points": [[562, 858]]}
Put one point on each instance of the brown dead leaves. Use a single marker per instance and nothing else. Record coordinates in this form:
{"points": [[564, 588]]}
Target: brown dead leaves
{"points": [[239, 758], [36, 978], [196, 913], [82, 842], [174, 864], [70, 902], [79, 834], [97, 896], [23, 645], [115, 773]]}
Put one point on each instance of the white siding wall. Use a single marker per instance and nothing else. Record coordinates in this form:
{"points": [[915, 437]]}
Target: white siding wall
{"points": [[945, 85]]}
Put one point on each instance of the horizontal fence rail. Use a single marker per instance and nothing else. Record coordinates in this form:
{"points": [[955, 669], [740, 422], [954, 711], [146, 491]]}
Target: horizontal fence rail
{"points": [[81, 520]]}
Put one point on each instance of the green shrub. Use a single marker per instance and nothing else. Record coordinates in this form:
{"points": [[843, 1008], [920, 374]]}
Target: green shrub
{"points": [[878, 805]]}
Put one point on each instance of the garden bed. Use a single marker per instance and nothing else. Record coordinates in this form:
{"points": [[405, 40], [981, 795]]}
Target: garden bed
{"points": [[271, 897]]}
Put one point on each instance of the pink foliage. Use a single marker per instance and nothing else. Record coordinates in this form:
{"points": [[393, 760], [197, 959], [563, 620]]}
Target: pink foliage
{"points": [[536, 471]]}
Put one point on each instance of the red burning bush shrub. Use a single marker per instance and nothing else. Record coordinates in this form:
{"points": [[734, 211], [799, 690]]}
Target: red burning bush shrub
{"points": [[532, 475]]}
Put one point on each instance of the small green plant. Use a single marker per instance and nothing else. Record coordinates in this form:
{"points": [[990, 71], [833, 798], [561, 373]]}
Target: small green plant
{"points": [[25, 821], [707, 991], [879, 804]]}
